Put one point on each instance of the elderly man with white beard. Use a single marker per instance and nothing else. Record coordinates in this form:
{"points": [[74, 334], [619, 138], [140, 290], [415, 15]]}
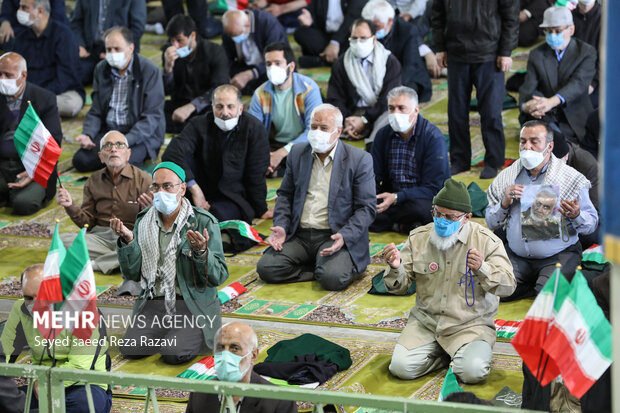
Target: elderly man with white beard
{"points": [[460, 269]]}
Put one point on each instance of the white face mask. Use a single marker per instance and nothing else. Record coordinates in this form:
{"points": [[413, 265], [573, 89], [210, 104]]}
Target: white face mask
{"points": [[277, 75], [9, 87], [320, 141], [400, 121], [228, 124], [23, 17], [362, 49], [531, 159], [116, 60]]}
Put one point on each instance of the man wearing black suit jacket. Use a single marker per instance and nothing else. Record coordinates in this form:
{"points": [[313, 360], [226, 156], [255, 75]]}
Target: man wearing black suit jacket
{"points": [[225, 155], [236, 341], [17, 189], [325, 28], [558, 75]]}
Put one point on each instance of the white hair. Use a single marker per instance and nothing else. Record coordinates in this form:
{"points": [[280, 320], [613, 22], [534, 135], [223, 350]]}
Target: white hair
{"points": [[378, 10], [403, 91], [104, 138], [338, 119], [253, 338]]}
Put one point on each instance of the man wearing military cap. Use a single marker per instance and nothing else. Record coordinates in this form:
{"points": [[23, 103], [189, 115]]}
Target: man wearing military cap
{"points": [[460, 269]]}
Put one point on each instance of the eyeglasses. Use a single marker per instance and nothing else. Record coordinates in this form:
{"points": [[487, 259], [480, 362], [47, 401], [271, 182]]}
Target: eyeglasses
{"points": [[556, 30], [360, 39], [118, 145], [450, 217], [166, 186]]}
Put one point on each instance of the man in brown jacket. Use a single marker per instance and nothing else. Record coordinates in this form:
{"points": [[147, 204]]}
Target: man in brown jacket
{"points": [[119, 190], [460, 269]]}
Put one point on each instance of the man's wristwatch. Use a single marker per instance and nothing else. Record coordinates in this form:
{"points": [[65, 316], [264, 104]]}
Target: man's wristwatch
{"points": [[395, 198], [364, 120]]}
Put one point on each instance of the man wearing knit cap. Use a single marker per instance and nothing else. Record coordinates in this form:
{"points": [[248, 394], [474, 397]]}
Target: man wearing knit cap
{"points": [[175, 252], [460, 269]]}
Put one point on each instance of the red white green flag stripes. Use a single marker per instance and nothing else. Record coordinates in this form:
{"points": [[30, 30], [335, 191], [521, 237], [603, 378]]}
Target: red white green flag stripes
{"points": [[203, 369], [78, 288], [580, 339], [244, 229], [530, 338], [231, 291], [37, 149], [50, 291]]}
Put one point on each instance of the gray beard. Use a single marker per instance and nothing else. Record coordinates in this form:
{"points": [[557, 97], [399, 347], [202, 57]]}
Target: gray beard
{"points": [[444, 243]]}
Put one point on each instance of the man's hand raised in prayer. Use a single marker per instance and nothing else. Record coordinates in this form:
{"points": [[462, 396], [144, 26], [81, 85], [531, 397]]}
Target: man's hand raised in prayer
{"points": [[336, 246], [277, 238], [392, 255], [121, 230]]}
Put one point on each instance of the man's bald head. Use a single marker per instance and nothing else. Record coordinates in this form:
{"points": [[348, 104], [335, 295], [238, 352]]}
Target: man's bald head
{"points": [[240, 339], [31, 280], [235, 22], [12, 58]]}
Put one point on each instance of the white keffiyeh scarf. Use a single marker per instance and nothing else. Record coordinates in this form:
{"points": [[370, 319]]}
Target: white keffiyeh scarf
{"points": [[149, 245], [357, 76]]}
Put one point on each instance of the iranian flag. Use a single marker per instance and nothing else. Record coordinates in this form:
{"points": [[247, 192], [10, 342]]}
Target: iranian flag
{"points": [[37, 149], [203, 369], [533, 331], [450, 385], [231, 291], [506, 328], [244, 229], [580, 339], [594, 254], [50, 291], [78, 289]]}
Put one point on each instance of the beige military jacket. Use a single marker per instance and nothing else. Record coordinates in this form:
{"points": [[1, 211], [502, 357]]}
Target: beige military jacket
{"points": [[441, 311]]}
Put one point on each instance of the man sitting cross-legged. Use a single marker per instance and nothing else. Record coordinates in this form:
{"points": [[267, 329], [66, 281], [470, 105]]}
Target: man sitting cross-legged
{"points": [[324, 207]]}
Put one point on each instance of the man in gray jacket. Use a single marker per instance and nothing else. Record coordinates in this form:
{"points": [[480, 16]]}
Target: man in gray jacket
{"points": [[325, 205], [128, 96]]}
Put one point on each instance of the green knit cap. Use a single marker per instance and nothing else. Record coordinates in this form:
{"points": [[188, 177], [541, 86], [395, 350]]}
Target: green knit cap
{"points": [[453, 195], [173, 167]]}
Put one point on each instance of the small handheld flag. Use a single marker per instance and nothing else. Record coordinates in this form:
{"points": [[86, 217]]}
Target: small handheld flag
{"points": [[37, 149]]}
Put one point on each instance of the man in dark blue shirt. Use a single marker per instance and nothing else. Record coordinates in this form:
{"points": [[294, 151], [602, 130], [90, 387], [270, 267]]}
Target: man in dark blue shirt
{"points": [[52, 56], [410, 162]]}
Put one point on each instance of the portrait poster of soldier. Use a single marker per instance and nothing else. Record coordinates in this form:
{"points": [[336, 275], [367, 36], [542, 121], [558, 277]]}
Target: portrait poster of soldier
{"points": [[540, 218]]}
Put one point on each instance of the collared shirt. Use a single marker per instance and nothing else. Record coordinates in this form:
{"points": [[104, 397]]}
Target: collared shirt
{"points": [[314, 214], [103, 199], [119, 102], [586, 222], [250, 52], [284, 116], [367, 64], [402, 162], [441, 311], [335, 17], [165, 236], [559, 54]]}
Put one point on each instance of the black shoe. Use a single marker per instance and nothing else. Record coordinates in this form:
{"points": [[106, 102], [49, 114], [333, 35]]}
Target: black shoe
{"points": [[307, 62], [488, 172], [457, 169]]}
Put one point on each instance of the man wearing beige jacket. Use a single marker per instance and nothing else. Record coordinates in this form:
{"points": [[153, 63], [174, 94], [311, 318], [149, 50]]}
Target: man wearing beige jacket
{"points": [[460, 269]]}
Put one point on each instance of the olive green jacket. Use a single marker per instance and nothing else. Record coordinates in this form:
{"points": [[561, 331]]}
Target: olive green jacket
{"points": [[197, 277]]}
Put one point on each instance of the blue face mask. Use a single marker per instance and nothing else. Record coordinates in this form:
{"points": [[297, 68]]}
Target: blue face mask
{"points": [[183, 52], [165, 202], [554, 40], [227, 366], [445, 227], [240, 39], [381, 34]]}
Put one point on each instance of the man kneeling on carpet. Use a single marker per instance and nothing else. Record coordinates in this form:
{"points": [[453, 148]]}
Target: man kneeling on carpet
{"points": [[118, 190], [235, 353], [175, 252], [325, 204], [65, 350], [460, 269]]}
